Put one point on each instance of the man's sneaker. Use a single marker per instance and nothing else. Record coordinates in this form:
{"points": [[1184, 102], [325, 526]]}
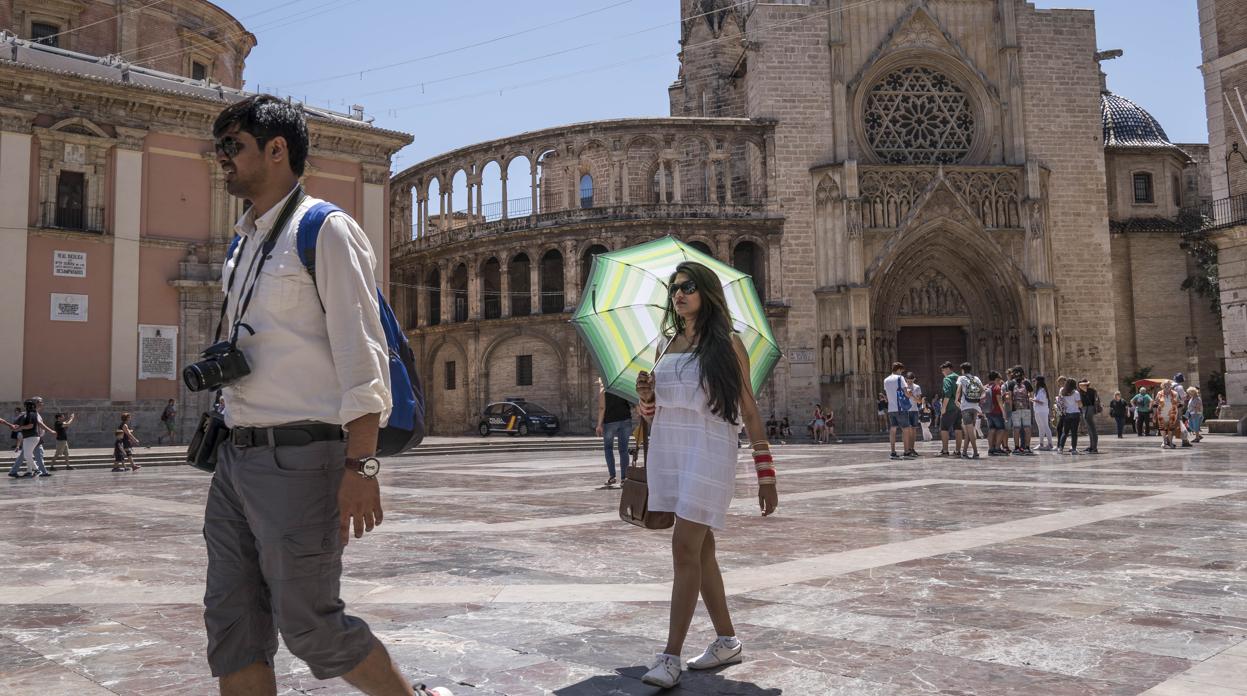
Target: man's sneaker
{"points": [[1186, 444], [422, 690], [723, 651], [911, 454], [942, 454], [894, 455], [44, 474], [611, 481], [666, 671], [994, 453]]}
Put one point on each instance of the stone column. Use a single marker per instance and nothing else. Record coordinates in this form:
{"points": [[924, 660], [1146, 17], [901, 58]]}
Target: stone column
{"points": [[534, 282], [475, 301], [504, 193], [675, 180], [1232, 265], [127, 209], [15, 143], [532, 164], [571, 275], [422, 297], [504, 283], [447, 301]]}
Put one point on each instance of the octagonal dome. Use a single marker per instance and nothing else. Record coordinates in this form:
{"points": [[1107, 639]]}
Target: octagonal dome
{"points": [[1128, 125]]}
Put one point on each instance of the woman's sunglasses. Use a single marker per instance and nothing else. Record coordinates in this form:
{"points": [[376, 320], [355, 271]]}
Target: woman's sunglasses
{"points": [[228, 146], [688, 287]]}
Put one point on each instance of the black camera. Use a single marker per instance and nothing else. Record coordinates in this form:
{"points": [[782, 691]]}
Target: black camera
{"points": [[222, 363]]}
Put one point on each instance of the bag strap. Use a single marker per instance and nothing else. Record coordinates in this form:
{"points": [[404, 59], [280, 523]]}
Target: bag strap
{"points": [[309, 232]]}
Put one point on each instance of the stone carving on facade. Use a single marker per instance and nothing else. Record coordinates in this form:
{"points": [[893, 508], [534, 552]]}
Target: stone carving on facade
{"points": [[919, 32], [1036, 253], [932, 294], [890, 193]]}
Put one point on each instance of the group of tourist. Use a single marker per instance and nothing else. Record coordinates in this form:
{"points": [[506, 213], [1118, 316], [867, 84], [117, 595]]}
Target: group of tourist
{"points": [[966, 405], [28, 428]]}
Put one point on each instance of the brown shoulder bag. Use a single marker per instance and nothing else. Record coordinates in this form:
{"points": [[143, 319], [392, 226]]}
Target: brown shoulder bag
{"points": [[634, 500]]}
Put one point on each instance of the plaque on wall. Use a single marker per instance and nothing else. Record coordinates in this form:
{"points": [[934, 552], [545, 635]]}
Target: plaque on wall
{"points": [[75, 153], [69, 264], [69, 307], [158, 352], [801, 355]]}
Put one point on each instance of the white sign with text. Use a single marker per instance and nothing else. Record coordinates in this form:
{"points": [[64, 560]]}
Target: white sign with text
{"points": [[69, 264], [158, 351], [69, 307]]}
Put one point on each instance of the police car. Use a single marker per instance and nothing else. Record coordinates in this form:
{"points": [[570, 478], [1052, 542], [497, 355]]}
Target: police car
{"points": [[517, 417]]}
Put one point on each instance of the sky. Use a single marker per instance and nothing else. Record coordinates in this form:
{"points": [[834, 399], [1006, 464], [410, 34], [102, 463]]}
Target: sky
{"points": [[466, 72]]}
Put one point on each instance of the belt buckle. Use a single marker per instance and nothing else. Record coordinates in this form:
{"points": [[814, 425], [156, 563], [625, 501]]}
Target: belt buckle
{"points": [[240, 437]]}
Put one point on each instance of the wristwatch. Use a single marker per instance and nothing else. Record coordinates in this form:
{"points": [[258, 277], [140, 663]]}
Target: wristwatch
{"points": [[367, 467]]}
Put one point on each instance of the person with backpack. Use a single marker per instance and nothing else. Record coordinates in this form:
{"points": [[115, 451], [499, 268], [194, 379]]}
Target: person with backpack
{"points": [[970, 393], [949, 415], [297, 471], [1143, 412], [900, 399], [1019, 397]]}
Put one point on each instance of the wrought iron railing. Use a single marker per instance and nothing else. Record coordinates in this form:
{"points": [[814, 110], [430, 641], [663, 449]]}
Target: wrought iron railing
{"points": [[67, 218], [1226, 212], [516, 207]]}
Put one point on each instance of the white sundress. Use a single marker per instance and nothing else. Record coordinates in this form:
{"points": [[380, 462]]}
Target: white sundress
{"points": [[692, 452]]}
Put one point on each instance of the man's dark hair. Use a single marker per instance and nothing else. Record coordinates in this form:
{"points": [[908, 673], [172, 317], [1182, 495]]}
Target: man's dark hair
{"points": [[266, 117], [898, 366], [993, 375], [966, 367], [947, 364]]}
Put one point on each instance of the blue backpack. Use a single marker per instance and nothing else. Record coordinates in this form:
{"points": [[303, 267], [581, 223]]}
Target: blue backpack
{"points": [[405, 428]]}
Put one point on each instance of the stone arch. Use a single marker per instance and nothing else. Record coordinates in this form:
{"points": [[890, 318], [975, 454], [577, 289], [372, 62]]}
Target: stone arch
{"points": [[433, 283], [459, 299], [491, 288], [80, 126], [587, 252], [519, 273], [550, 276], [549, 388], [448, 409], [749, 256], [693, 162]]}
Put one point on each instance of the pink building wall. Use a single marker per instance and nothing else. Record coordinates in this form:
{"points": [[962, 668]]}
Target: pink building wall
{"points": [[65, 359], [176, 188], [347, 195]]}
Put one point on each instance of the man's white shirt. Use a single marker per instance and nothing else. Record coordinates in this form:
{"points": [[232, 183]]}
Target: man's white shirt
{"points": [[330, 366]]}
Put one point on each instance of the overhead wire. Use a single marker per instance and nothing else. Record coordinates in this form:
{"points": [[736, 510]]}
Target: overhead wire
{"points": [[295, 18], [88, 25], [650, 56]]}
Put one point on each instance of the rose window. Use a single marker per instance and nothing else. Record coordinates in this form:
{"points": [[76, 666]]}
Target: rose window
{"points": [[917, 115]]}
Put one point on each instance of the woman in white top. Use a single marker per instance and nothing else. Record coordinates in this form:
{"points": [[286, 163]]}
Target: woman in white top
{"points": [[1042, 406], [696, 397], [1071, 414]]}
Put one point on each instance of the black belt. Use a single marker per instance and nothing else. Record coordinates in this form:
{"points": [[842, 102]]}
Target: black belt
{"points": [[286, 435]]}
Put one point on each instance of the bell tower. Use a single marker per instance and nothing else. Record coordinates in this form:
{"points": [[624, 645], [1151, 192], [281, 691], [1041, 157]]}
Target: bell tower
{"points": [[712, 59]]}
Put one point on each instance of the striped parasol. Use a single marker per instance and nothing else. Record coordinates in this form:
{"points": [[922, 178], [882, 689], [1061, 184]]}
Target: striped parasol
{"points": [[621, 312]]}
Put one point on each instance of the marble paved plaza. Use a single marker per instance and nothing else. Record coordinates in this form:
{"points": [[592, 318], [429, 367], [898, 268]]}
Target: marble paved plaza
{"points": [[1121, 573]]}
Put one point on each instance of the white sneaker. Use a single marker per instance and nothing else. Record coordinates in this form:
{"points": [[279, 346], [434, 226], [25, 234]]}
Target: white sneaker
{"points": [[724, 651], [665, 672]]}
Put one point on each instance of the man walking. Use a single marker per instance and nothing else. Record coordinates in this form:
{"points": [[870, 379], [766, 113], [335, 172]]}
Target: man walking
{"points": [[615, 421], [31, 428], [1142, 403], [168, 419], [296, 473], [61, 426], [970, 392], [900, 399], [950, 416]]}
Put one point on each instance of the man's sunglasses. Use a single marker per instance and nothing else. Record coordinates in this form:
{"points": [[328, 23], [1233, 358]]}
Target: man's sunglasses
{"points": [[228, 146], [688, 287]]}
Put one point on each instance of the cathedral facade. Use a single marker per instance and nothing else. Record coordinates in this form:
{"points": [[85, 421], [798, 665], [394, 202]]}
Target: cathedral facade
{"points": [[913, 180]]}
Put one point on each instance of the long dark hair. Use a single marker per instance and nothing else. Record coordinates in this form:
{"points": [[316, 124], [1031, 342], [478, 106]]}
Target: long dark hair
{"points": [[719, 370], [1041, 382]]}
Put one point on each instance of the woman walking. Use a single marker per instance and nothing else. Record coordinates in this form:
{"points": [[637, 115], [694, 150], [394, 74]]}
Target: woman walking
{"points": [[1194, 413], [1117, 409], [698, 393], [1071, 413], [820, 424], [123, 447], [1167, 411], [1042, 405]]}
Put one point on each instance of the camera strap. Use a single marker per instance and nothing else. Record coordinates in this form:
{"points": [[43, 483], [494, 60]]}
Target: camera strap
{"points": [[257, 264]]}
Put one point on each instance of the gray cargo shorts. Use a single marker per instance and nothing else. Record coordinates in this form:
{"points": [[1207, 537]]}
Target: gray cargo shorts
{"points": [[275, 563]]}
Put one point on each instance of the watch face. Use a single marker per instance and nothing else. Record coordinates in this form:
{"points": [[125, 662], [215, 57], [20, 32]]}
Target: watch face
{"points": [[371, 467]]}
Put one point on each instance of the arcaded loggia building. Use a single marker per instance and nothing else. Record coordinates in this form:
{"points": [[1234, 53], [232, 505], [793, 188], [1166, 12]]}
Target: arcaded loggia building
{"points": [[914, 180], [113, 213]]}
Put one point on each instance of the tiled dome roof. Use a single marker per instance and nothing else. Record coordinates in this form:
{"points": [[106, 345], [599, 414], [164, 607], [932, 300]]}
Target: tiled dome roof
{"points": [[1127, 124]]}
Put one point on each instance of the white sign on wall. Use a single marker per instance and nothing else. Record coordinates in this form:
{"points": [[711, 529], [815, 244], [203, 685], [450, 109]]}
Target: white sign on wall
{"points": [[69, 307], [158, 351], [799, 356], [70, 264]]}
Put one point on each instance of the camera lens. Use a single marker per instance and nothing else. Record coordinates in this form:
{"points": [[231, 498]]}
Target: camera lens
{"points": [[202, 375]]}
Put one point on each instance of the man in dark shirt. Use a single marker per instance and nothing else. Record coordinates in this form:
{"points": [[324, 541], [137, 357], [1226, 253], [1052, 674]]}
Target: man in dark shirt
{"points": [[61, 426], [614, 421]]}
